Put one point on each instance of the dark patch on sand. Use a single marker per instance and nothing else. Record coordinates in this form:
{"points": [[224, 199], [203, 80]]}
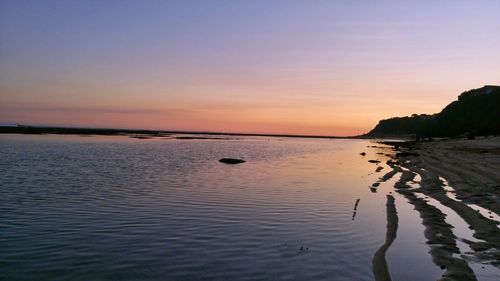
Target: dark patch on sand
{"points": [[379, 262]]}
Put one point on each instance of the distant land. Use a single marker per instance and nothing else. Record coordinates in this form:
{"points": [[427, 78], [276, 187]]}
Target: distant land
{"points": [[475, 113], [40, 130]]}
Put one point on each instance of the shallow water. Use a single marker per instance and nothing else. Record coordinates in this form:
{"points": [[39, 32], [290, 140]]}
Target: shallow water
{"points": [[116, 208]]}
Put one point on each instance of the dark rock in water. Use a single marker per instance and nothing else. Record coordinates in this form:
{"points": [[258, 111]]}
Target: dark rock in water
{"points": [[406, 154], [363, 153], [231, 161], [374, 161]]}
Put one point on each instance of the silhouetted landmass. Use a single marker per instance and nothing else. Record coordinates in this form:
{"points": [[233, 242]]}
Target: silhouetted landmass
{"points": [[22, 129], [475, 113], [140, 134]]}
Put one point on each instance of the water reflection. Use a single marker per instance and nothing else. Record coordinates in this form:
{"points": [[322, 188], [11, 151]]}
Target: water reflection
{"points": [[120, 208]]}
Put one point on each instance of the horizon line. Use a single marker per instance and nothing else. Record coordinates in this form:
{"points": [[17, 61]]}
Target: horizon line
{"points": [[38, 129]]}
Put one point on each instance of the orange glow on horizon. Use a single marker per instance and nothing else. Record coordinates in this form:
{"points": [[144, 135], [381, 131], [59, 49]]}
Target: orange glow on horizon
{"points": [[331, 68]]}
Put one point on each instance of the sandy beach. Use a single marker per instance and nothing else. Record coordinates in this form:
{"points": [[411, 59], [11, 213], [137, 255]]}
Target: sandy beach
{"points": [[460, 175]]}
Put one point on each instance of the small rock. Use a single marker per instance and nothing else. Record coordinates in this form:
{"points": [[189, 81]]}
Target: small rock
{"points": [[374, 161], [231, 161], [362, 153]]}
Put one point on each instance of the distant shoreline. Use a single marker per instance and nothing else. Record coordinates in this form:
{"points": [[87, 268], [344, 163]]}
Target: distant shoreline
{"points": [[35, 130]]}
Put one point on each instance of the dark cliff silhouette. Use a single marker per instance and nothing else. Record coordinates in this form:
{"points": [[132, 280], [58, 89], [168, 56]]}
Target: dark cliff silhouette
{"points": [[475, 113]]}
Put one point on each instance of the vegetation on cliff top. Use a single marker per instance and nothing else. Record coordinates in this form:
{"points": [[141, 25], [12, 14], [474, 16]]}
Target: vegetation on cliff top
{"points": [[476, 112]]}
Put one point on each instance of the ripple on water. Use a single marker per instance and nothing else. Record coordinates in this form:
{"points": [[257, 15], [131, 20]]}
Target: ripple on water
{"points": [[102, 208]]}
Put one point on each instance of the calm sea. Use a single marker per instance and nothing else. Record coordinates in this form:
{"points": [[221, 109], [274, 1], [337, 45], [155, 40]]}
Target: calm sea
{"points": [[117, 208]]}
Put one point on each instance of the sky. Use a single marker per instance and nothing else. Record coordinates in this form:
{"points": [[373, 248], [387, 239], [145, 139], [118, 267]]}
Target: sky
{"points": [[279, 67]]}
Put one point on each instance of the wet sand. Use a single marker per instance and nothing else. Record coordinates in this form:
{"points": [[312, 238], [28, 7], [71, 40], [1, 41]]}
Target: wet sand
{"points": [[379, 262], [463, 176]]}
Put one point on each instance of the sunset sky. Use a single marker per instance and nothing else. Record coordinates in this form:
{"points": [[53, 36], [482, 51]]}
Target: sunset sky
{"points": [[296, 67]]}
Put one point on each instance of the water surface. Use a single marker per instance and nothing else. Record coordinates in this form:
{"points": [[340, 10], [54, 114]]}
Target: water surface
{"points": [[117, 208]]}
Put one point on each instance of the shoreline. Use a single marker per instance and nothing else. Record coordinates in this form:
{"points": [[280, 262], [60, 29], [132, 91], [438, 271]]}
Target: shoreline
{"points": [[459, 175], [144, 134], [469, 166]]}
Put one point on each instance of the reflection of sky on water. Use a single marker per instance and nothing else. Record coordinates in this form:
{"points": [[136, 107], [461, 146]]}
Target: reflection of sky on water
{"points": [[170, 206]]}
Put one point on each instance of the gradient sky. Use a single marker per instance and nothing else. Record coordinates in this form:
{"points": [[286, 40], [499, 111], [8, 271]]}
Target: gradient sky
{"points": [[299, 67]]}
